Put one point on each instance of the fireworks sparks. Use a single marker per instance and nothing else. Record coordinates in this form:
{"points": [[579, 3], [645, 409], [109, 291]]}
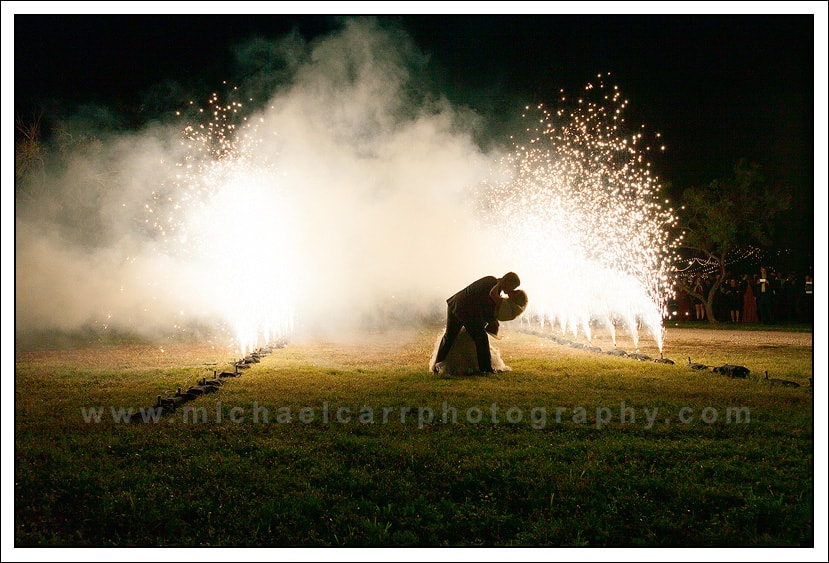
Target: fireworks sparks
{"points": [[238, 259], [579, 213], [581, 217]]}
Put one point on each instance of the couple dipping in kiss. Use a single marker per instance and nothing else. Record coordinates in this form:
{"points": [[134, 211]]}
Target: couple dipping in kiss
{"points": [[472, 314]]}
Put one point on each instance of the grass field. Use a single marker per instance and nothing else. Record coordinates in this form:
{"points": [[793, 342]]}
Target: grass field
{"points": [[345, 440]]}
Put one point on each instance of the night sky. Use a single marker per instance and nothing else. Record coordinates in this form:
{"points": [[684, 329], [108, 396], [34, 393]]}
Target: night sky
{"points": [[718, 87]]}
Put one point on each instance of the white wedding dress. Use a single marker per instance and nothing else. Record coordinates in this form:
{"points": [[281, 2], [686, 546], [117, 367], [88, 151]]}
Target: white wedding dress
{"points": [[462, 358]]}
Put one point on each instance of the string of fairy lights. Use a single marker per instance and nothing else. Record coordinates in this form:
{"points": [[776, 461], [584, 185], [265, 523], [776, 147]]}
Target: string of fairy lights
{"points": [[744, 257]]}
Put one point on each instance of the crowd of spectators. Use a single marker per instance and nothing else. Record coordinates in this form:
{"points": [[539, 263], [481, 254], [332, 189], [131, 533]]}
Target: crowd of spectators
{"points": [[768, 297]]}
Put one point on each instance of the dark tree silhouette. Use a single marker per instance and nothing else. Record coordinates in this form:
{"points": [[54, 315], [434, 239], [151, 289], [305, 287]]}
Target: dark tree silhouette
{"points": [[725, 216]]}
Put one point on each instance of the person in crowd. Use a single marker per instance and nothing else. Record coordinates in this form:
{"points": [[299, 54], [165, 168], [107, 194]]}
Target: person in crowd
{"points": [[750, 301], [699, 306], [807, 302], [764, 292], [735, 299]]}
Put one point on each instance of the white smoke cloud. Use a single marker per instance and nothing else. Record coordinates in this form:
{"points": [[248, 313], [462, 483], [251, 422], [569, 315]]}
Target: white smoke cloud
{"points": [[352, 196], [355, 203]]}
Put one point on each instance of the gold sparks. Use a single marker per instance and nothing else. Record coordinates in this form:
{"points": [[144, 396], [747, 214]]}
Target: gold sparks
{"points": [[583, 218]]}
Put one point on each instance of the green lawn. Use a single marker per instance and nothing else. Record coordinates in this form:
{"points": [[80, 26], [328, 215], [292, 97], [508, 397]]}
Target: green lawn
{"points": [[362, 447]]}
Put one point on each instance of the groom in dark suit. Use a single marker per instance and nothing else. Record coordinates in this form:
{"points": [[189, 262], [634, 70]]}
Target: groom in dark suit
{"points": [[474, 307]]}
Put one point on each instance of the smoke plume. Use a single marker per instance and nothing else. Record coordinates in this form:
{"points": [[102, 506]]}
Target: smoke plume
{"points": [[334, 188], [348, 200]]}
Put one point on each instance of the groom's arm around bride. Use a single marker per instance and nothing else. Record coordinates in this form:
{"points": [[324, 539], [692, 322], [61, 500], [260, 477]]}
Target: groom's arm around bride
{"points": [[475, 308]]}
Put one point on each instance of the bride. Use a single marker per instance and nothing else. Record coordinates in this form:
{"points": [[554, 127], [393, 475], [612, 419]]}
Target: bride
{"points": [[462, 358]]}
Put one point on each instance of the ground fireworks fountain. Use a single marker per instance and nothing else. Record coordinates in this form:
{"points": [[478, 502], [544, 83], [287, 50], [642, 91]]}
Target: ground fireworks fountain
{"points": [[239, 257], [579, 211]]}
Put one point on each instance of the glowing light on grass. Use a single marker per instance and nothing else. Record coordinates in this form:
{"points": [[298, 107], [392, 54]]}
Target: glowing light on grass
{"points": [[580, 213]]}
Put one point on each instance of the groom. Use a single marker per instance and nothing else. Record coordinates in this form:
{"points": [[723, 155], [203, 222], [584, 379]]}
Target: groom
{"points": [[474, 307]]}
